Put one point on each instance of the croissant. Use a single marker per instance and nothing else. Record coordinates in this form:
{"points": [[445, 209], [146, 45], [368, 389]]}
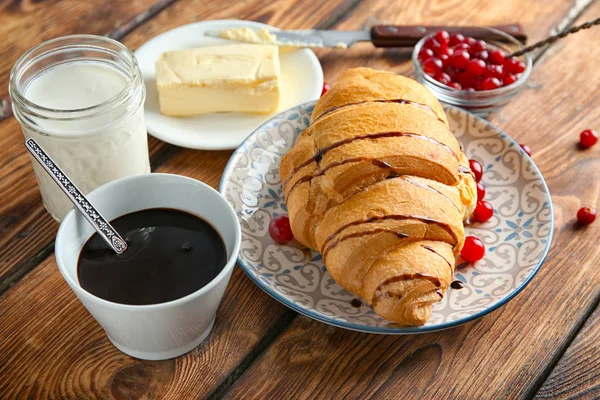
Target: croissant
{"points": [[380, 187]]}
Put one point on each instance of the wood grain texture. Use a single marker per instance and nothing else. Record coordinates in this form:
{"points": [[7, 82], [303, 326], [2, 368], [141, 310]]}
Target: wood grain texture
{"points": [[577, 374], [52, 348], [24, 24], [286, 14], [26, 230], [509, 352]]}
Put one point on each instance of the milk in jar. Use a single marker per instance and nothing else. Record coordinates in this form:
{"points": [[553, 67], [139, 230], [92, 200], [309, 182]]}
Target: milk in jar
{"points": [[81, 98]]}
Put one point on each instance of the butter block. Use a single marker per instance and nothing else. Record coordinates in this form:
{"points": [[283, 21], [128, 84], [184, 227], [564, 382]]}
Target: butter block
{"points": [[235, 77]]}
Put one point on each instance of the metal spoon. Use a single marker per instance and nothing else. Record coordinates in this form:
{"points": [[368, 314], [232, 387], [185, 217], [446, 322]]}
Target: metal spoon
{"points": [[98, 222]]}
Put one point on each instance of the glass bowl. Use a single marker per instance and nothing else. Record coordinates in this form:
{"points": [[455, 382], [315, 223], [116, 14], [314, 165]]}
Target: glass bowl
{"points": [[481, 102]]}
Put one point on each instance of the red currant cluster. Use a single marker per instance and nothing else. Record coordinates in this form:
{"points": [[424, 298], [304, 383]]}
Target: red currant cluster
{"points": [[474, 249], [465, 63], [587, 139]]}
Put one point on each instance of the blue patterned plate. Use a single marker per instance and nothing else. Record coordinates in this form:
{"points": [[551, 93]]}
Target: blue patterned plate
{"points": [[517, 237]]}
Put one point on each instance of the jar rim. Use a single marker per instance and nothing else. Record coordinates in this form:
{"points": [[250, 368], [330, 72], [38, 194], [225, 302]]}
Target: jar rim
{"points": [[38, 110]]}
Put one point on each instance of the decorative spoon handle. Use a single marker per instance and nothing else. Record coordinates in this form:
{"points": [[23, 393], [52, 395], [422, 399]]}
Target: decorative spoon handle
{"points": [[100, 224]]}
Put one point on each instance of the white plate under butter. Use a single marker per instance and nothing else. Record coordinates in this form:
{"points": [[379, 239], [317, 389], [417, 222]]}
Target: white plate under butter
{"points": [[301, 81]]}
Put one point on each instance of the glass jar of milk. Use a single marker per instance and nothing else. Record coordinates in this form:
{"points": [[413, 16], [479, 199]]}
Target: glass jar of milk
{"points": [[81, 98]]}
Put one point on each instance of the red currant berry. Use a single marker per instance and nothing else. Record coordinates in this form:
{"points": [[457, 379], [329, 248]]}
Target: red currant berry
{"points": [[462, 46], [280, 230], [588, 138], [435, 46], [459, 59], [430, 43], [482, 55], [442, 37], [455, 85], [476, 67], [494, 71], [465, 80], [442, 77], [478, 84], [477, 169], [480, 191], [451, 71], [432, 66], [424, 54], [586, 215], [473, 249], [483, 211], [510, 79], [514, 66], [497, 57], [526, 149], [326, 87], [443, 50], [456, 38], [491, 84], [478, 46], [519, 68], [444, 59]]}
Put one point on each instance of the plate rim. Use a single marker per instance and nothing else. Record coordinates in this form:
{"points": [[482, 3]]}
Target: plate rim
{"points": [[398, 330], [174, 139]]}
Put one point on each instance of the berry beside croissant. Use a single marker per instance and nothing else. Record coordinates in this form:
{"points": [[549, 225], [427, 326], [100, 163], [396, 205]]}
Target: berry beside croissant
{"points": [[380, 187]]}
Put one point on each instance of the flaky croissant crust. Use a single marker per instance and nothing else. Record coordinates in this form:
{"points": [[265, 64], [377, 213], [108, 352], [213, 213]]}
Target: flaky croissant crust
{"points": [[380, 187]]}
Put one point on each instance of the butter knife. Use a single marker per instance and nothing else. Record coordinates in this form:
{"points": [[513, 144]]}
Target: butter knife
{"points": [[382, 35]]}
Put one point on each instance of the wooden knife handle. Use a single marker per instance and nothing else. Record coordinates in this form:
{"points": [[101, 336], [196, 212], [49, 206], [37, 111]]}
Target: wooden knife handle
{"points": [[408, 36]]}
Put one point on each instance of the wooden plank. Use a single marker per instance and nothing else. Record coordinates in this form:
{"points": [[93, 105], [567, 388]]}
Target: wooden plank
{"points": [[51, 347], [285, 14], [577, 374], [26, 230], [509, 352], [25, 24]]}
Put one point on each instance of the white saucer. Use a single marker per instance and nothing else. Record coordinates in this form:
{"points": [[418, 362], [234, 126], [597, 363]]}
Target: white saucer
{"points": [[301, 81]]}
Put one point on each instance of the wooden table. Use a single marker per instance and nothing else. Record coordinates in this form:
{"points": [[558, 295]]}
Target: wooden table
{"points": [[543, 344]]}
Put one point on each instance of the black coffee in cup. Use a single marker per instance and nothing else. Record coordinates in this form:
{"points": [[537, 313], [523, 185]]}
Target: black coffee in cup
{"points": [[170, 254]]}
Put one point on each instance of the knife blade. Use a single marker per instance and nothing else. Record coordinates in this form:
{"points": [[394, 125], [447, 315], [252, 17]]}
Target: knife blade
{"points": [[380, 35], [311, 38]]}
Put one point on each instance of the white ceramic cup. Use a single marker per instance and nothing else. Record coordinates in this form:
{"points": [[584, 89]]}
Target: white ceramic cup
{"points": [[157, 331]]}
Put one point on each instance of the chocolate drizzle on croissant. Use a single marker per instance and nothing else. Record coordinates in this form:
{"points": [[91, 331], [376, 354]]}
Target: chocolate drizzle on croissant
{"points": [[373, 136], [380, 186], [405, 277], [400, 101], [329, 243]]}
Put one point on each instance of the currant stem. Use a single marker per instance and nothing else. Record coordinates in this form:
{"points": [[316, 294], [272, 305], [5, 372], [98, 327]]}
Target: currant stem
{"points": [[554, 38]]}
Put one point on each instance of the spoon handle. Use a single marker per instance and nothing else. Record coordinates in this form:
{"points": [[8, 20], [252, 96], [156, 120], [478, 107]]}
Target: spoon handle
{"points": [[100, 224]]}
